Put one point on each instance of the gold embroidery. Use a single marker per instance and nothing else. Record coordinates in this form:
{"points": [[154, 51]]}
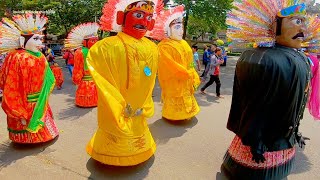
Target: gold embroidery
{"points": [[140, 142]]}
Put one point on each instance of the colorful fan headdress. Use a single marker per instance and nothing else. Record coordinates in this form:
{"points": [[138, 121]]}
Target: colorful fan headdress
{"points": [[80, 33], [312, 38], [161, 28], [251, 21], [108, 19], [11, 31]]}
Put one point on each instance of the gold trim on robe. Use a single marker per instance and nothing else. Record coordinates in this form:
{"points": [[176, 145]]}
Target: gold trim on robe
{"points": [[122, 140], [178, 80]]}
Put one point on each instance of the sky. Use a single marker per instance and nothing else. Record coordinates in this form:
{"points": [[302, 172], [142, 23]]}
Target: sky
{"points": [[318, 1]]}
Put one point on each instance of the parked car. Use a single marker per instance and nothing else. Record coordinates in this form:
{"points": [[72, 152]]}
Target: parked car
{"points": [[56, 48]]}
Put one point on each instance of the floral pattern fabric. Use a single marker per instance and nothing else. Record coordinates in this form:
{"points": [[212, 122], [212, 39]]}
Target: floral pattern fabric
{"points": [[23, 74], [86, 94]]}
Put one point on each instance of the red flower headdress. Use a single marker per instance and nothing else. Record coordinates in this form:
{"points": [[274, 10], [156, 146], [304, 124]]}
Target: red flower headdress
{"points": [[161, 28], [108, 20]]}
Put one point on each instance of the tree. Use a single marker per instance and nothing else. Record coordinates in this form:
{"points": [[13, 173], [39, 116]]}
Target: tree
{"points": [[197, 27], [213, 12], [67, 13]]}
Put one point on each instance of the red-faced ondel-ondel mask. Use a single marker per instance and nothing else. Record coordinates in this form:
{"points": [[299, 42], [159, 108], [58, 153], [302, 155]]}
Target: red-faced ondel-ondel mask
{"points": [[136, 20], [88, 42]]}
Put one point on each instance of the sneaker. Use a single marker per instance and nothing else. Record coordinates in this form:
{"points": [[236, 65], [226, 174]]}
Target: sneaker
{"points": [[220, 96]]}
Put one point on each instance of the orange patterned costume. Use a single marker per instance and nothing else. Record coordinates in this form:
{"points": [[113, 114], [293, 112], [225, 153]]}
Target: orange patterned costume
{"points": [[58, 75], [82, 37], [86, 94], [21, 79]]}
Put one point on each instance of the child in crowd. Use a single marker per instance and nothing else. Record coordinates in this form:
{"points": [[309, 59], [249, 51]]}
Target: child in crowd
{"points": [[57, 72], [196, 60], [214, 71]]}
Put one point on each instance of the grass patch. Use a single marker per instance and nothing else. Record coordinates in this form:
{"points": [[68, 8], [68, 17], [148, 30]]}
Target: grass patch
{"points": [[233, 54]]}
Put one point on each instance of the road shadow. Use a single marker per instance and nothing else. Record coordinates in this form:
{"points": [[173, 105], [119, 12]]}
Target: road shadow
{"points": [[11, 152], [163, 130], [206, 99], [302, 163], [74, 112], [156, 95], [101, 171], [221, 176]]}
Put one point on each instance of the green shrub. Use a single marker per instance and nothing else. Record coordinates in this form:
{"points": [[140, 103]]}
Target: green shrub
{"points": [[233, 54]]}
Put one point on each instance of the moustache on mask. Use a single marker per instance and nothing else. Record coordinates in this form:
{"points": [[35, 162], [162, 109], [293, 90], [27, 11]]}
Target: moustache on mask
{"points": [[141, 27], [298, 35]]}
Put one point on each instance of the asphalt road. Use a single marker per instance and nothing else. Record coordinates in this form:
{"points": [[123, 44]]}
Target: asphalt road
{"points": [[191, 150]]}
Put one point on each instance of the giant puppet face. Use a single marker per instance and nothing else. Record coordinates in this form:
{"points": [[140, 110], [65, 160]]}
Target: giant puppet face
{"points": [[176, 29], [136, 20], [293, 30], [90, 42], [291, 26], [32, 42]]}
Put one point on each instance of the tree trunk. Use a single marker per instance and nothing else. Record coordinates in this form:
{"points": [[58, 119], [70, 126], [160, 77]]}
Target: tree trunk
{"points": [[101, 34], [186, 21]]}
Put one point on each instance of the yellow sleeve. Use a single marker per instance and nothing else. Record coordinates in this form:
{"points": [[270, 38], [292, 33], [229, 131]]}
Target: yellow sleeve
{"points": [[103, 65], [167, 62], [194, 75], [148, 107], [196, 80]]}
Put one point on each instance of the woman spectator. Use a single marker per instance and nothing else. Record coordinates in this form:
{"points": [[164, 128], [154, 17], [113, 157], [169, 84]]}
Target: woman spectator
{"points": [[68, 56], [214, 70]]}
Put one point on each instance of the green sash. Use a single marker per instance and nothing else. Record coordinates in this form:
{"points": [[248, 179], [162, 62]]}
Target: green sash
{"points": [[87, 78], [36, 122], [37, 54], [85, 52]]}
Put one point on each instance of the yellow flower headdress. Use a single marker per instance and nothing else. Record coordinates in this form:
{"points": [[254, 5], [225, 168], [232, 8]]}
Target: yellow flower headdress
{"points": [[11, 31], [251, 21]]}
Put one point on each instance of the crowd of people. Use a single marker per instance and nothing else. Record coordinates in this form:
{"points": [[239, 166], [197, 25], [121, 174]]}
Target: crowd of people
{"points": [[273, 83]]}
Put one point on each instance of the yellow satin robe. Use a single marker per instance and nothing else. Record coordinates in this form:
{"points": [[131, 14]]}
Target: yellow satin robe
{"points": [[178, 80], [117, 66]]}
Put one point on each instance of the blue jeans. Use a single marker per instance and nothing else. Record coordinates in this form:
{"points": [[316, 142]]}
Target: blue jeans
{"points": [[70, 67]]}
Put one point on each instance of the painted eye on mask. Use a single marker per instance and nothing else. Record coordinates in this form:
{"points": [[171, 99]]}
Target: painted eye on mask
{"points": [[177, 26], [38, 38], [297, 21], [149, 18], [138, 15]]}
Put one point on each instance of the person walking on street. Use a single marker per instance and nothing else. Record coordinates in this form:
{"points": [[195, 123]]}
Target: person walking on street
{"points": [[205, 58], [196, 60], [214, 71], [68, 56]]}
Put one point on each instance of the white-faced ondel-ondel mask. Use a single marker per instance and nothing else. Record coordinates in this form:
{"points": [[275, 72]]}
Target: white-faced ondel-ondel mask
{"points": [[176, 29], [32, 42]]}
